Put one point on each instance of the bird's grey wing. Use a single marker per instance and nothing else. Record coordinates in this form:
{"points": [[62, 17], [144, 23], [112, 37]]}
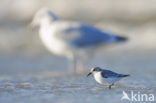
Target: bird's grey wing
{"points": [[84, 35], [108, 73]]}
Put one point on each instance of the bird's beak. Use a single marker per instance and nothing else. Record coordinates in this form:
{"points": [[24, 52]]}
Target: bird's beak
{"points": [[33, 24], [30, 26], [89, 74]]}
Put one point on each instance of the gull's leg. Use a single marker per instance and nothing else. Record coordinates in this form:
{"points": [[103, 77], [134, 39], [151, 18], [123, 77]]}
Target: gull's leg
{"points": [[79, 66], [71, 65], [81, 61]]}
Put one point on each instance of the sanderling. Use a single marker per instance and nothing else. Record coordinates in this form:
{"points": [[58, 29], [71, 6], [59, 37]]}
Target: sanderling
{"points": [[71, 39], [103, 76]]}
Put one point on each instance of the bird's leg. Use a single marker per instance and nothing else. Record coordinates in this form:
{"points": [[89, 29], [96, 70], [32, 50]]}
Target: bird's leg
{"points": [[71, 65], [80, 63], [110, 86], [79, 66]]}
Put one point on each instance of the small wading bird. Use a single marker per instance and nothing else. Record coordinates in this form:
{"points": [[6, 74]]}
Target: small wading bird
{"points": [[103, 76], [71, 39]]}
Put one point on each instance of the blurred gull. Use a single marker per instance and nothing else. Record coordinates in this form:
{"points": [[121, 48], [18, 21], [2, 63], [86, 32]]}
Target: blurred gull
{"points": [[77, 41]]}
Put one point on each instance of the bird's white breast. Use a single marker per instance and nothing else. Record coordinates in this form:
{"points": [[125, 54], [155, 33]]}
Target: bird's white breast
{"points": [[55, 45], [98, 77], [101, 80]]}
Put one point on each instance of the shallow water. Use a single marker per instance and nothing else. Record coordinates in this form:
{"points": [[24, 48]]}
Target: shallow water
{"points": [[27, 79], [69, 89]]}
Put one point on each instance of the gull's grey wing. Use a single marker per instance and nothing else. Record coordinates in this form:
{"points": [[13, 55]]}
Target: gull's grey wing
{"points": [[82, 35]]}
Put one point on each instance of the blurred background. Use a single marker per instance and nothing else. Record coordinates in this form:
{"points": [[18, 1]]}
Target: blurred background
{"points": [[22, 52]]}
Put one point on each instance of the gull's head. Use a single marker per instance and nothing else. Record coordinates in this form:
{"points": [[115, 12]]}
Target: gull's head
{"points": [[43, 16], [94, 70]]}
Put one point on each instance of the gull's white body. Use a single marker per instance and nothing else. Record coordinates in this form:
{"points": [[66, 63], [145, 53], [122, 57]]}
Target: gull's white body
{"points": [[70, 39], [47, 34], [53, 33]]}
